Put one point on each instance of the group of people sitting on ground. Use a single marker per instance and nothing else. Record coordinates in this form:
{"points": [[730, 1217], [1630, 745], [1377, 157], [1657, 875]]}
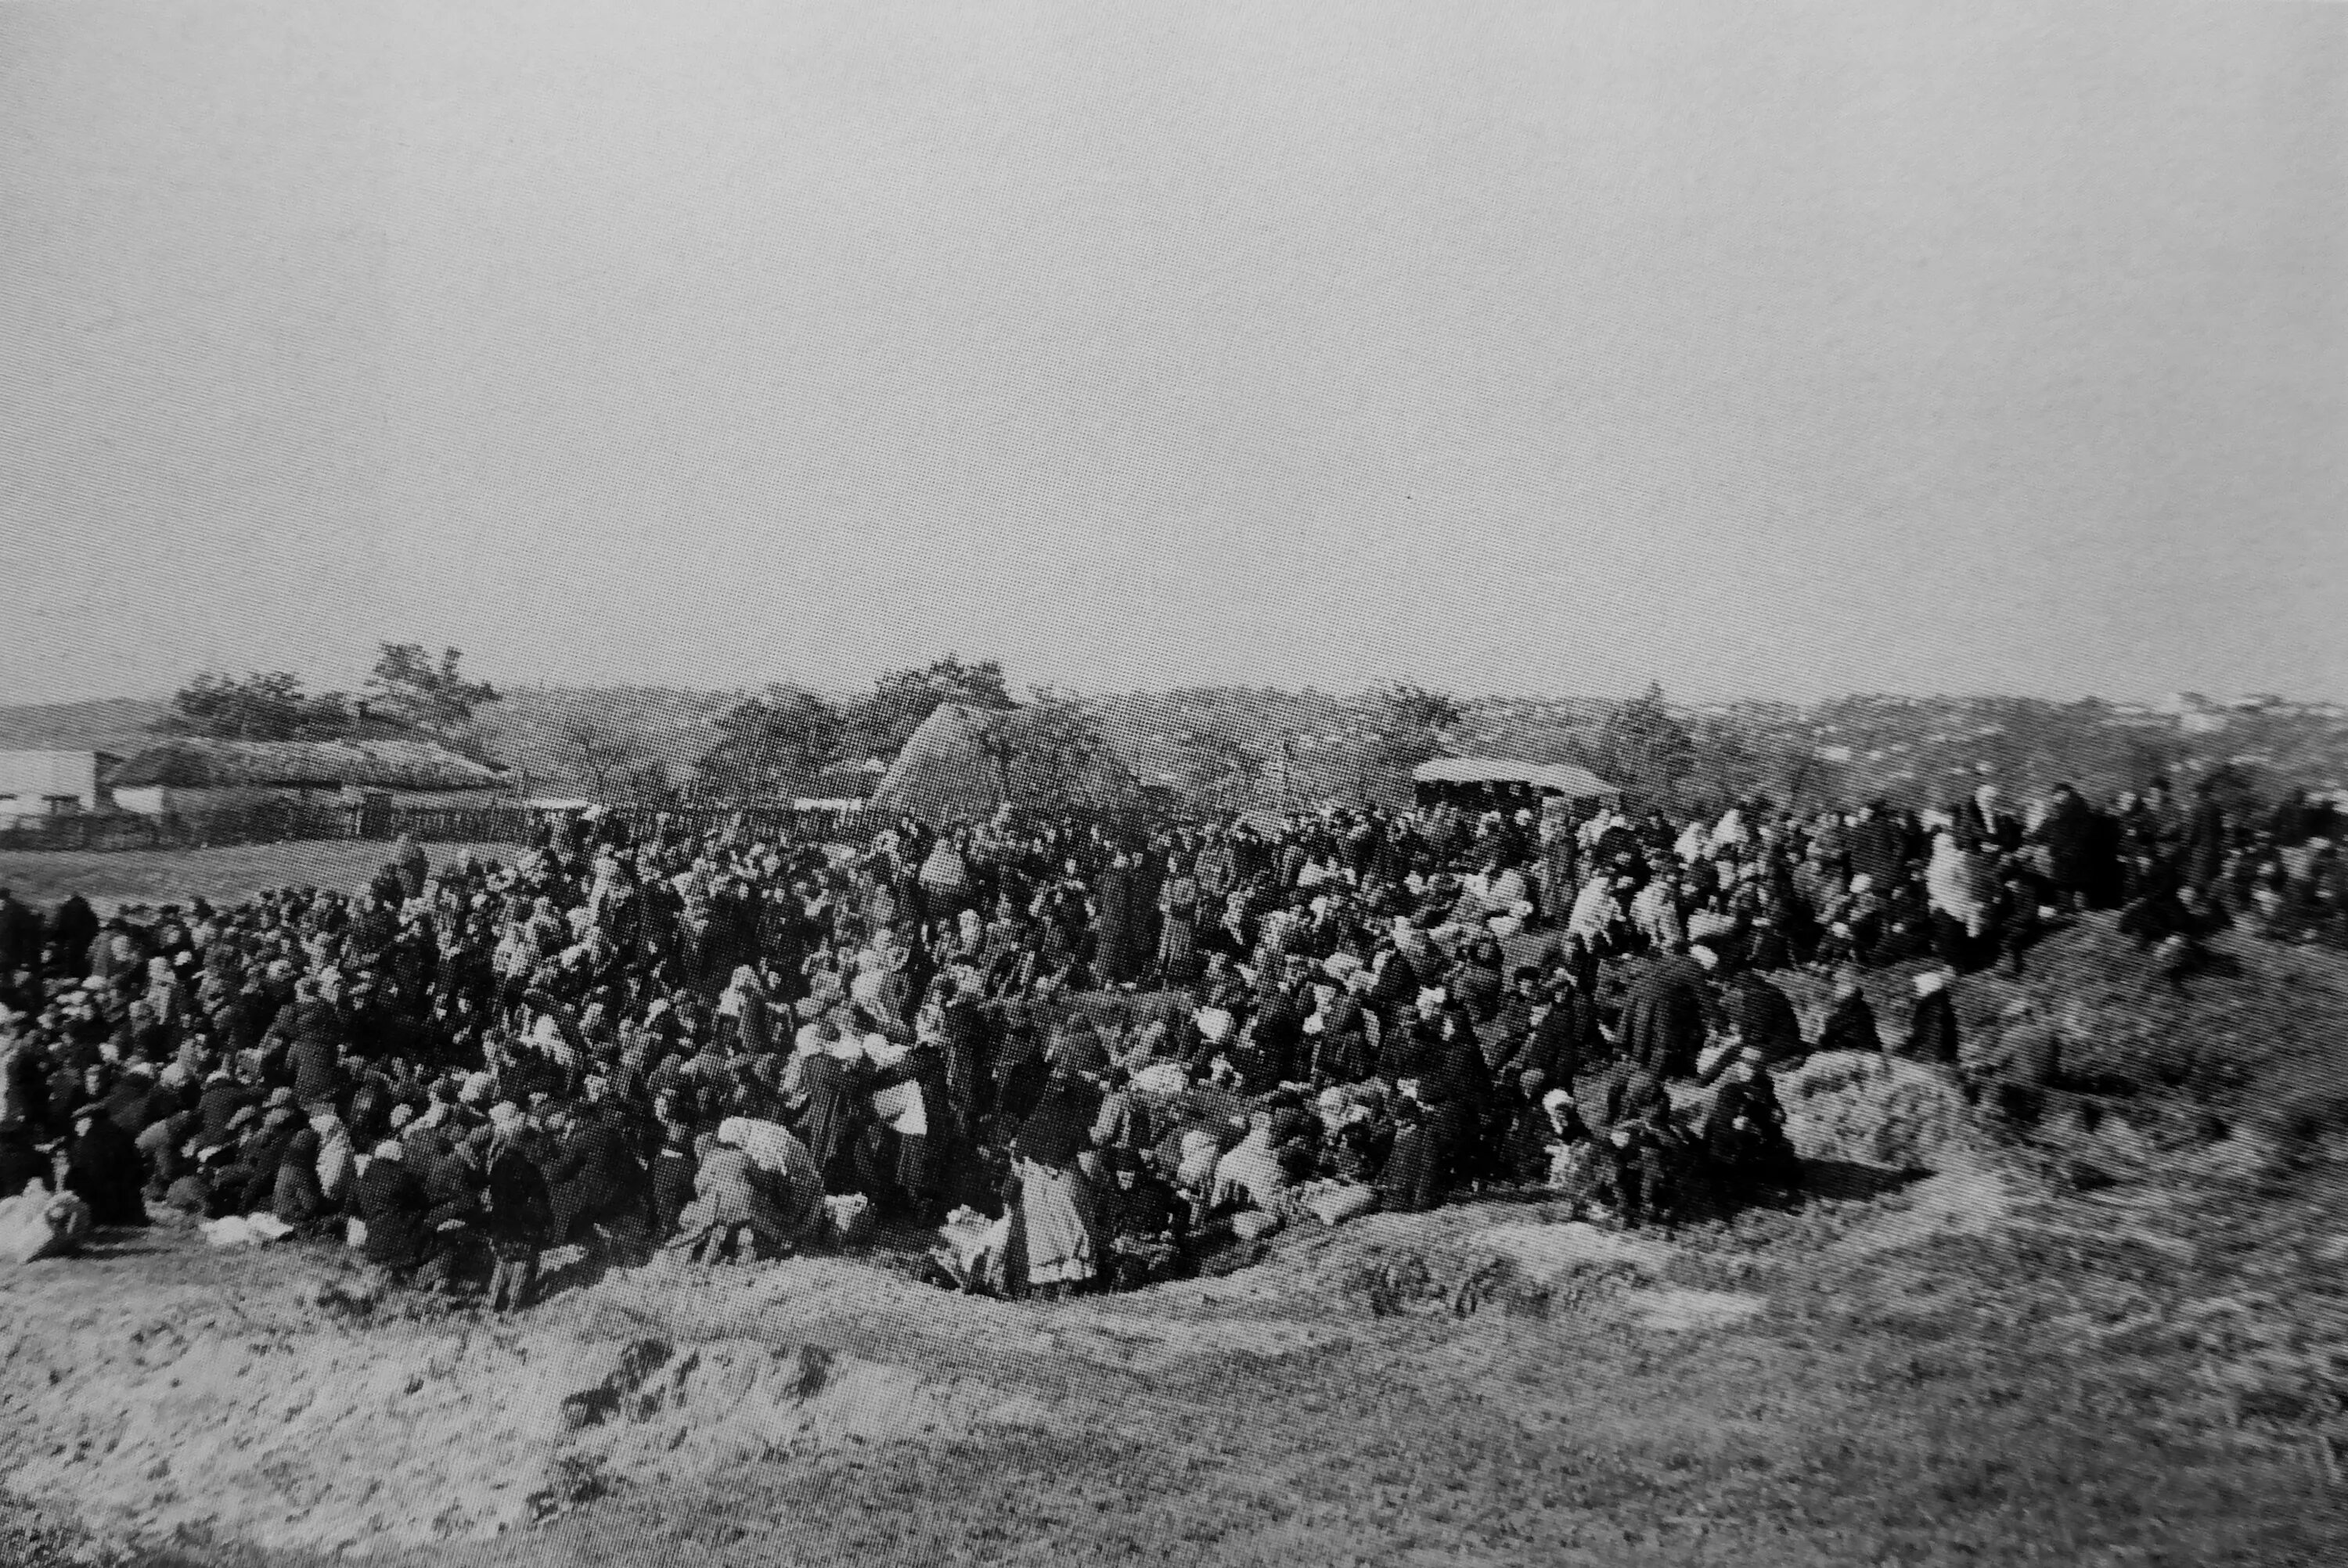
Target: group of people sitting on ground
{"points": [[1097, 1061]]}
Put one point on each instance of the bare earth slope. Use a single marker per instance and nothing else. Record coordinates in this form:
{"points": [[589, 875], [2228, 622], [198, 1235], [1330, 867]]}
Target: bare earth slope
{"points": [[1987, 1365]]}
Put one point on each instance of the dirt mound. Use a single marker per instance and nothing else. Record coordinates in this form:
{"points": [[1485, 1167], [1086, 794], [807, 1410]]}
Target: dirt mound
{"points": [[1873, 1110], [408, 1433]]}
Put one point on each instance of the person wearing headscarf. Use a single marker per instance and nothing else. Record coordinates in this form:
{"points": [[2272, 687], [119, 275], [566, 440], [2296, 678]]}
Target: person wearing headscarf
{"points": [[1933, 1026], [103, 1167], [1054, 1234], [1744, 1132], [1850, 1021], [744, 1007], [403, 1233]]}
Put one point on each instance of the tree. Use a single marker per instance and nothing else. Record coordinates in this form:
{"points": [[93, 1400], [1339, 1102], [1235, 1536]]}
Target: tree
{"points": [[263, 706], [1646, 750], [607, 760], [1407, 724], [1054, 743], [772, 745], [881, 724], [431, 695], [1219, 765]]}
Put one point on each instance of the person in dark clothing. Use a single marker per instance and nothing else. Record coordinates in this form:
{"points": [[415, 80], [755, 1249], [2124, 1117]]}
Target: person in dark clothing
{"points": [[72, 930], [2077, 850], [593, 1178], [1851, 1023], [1663, 1017], [2203, 850], [1411, 1182], [1765, 1017], [223, 1096], [521, 1212], [403, 1234], [1566, 1041], [102, 1165], [1141, 1222], [1932, 1026], [1744, 1134], [674, 1169], [21, 939], [296, 1199]]}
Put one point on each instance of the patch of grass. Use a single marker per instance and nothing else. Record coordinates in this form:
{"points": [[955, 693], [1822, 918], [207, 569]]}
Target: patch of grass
{"points": [[41, 877]]}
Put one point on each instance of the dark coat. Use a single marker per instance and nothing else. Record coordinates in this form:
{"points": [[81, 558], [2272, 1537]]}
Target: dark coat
{"points": [[1766, 1016], [1850, 1026], [521, 1204], [834, 1088], [398, 1210], [218, 1104], [1932, 1030], [296, 1199], [103, 1167], [1411, 1182], [1663, 1022], [592, 1177], [316, 1061]]}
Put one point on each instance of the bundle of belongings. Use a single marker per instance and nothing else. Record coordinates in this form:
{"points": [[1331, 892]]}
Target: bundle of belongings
{"points": [[37, 1223]]}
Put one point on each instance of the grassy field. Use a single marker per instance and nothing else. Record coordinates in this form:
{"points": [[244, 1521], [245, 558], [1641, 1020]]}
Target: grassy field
{"points": [[42, 876]]}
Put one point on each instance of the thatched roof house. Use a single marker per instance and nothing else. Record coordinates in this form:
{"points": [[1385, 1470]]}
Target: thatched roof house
{"points": [[967, 762], [184, 774]]}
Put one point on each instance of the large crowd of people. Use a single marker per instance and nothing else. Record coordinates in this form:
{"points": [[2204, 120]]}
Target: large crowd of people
{"points": [[1093, 1057]]}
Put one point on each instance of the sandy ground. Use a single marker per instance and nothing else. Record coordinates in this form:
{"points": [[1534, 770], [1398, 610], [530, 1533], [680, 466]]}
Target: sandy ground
{"points": [[1894, 1378]]}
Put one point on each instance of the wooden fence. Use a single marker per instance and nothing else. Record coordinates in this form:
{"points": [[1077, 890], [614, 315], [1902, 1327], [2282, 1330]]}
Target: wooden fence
{"points": [[286, 821]]}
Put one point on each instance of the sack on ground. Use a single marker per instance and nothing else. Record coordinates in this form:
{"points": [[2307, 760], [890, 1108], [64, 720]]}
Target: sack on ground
{"points": [[1342, 1202], [37, 1223], [849, 1219]]}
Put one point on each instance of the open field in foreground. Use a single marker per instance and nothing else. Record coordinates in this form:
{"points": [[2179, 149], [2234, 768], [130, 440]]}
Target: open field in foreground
{"points": [[111, 878], [2118, 1344], [1975, 1371]]}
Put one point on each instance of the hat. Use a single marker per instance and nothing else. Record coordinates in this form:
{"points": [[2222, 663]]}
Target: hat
{"points": [[401, 1115], [505, 1115], [1556, 1100], [1930, 982]]}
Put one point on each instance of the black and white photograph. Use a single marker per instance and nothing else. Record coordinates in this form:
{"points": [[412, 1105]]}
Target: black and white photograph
{"points": [[1310, 783]]}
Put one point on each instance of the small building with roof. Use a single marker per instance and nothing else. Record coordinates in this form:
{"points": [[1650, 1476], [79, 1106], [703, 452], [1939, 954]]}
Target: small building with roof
{"points": [[1492, 782], [190, 775]]}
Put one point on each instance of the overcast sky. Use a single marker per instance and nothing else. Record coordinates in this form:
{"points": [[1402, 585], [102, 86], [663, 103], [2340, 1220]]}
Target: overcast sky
{"points": [[1770, 350]]}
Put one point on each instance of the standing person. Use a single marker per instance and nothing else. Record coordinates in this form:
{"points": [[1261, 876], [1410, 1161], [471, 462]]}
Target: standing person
{"points": [[1055, 1219], [73, 928], [1117, 894], [521, 1210], [1932, 1026], [20, 940], [1178, 938], [408, 856], [1663, 1017], [2205, 841]]}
